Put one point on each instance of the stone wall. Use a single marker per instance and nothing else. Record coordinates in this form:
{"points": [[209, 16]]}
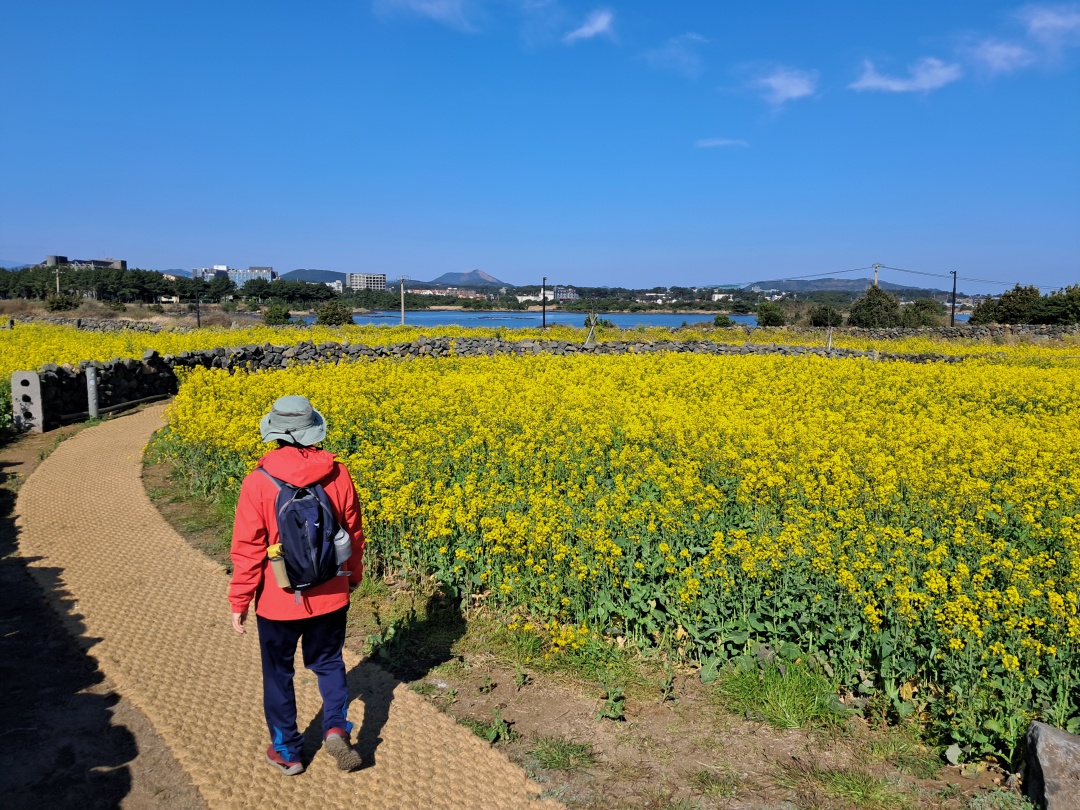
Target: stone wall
{"points": [[100, 324], [63, 393]]}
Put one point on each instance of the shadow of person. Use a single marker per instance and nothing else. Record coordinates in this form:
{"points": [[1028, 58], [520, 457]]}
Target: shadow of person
{"points": [[406, 650], [59, 743]]}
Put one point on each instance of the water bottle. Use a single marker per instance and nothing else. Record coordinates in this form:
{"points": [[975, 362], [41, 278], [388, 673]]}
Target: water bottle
{"points": [[277, 564], [342, 547]]}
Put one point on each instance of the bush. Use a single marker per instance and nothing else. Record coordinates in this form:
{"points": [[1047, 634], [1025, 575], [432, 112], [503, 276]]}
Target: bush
{"points": [[922, 312], [770, 314], [333, 313], [824, 315], [7, 419], [156, 308], [720, 321], [874, 310], [228, 306], [277, 314], [1026, 305], [61, 303]]}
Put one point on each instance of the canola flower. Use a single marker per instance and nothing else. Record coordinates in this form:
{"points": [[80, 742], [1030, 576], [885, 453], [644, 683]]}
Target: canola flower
{"points": [[31, 345], [912, 527]]}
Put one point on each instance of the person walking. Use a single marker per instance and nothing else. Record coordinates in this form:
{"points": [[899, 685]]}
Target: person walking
{"points": [[315, 617]]}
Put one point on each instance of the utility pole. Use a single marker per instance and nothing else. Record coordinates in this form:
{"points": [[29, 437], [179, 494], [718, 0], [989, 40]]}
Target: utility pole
{"points": [[403, 300], [876, 266], [952, 313], [57, 279], [543, 303], [198, 296]]}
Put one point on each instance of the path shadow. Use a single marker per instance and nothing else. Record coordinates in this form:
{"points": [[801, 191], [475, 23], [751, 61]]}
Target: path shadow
{"points": [[403, 651], [58, 743]]}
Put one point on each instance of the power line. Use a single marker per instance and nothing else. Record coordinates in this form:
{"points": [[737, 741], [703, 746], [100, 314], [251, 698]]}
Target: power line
{"points": [[815, 275], [916, 272], [830, 273], [948, 275], [964, 278]]}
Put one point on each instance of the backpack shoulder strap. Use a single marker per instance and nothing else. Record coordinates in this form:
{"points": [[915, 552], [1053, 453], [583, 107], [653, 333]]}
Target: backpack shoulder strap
{"points": [[277, 483]]}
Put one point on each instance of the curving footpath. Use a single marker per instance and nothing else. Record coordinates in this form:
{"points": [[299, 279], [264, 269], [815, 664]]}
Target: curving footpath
{"points": [[159, 611]]}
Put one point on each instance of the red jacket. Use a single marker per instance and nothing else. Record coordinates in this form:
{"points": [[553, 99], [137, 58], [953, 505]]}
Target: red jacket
{"points": [[256, 528]]}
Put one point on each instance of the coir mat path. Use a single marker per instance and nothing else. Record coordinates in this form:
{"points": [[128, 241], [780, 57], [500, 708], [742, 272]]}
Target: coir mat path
{"points": [[158, 612]]}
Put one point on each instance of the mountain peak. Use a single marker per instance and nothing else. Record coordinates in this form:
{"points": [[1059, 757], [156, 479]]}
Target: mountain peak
{"points": [[473, 278]]}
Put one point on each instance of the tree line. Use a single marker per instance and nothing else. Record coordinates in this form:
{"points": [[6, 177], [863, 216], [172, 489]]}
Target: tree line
{"points": [[875, 308], [1028, 305]]}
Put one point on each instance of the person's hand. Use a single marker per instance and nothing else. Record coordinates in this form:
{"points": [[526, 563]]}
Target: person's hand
{"points": [[238, 620]]}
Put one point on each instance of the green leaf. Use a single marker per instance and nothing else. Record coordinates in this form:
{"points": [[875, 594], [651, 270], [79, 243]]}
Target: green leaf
{"points": [[953, 754], [710, 669]]}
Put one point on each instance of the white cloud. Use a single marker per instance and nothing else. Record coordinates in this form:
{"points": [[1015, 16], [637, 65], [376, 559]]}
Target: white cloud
{"points": [[679, 54], [924, 75], [716, 143], [1054, 26], [598, 23], [787, 84], [454, 13], [994, 56]]}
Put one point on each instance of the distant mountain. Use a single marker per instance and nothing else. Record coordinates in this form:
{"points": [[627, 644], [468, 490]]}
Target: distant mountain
{"points": [[474, 278], [854, 285], [313, 276], [13, 265]]}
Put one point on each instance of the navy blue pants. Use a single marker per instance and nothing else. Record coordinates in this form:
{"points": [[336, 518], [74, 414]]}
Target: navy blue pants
{"points": [[321, 638]]}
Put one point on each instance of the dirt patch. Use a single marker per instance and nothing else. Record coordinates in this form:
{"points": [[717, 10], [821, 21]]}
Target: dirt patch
{"points": [[67, 739]]}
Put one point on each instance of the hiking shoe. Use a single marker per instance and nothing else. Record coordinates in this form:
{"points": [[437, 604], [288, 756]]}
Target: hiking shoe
{"points": [[282, 764], [337, 745]]}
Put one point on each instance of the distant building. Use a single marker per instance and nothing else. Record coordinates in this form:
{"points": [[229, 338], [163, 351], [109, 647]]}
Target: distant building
{"points": [[336, 286], [459, 293], [234, 274], [365, 281], [723, 296], [242, 277], [565, 294], [549, 294], [84, 264], [209, 273]]}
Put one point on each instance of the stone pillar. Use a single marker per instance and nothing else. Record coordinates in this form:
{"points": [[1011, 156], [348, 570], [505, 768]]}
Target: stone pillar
{"points": [[26, 403]]}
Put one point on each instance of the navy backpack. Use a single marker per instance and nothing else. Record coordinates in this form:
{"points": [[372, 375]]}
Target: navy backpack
{"points": [[306, 529]]}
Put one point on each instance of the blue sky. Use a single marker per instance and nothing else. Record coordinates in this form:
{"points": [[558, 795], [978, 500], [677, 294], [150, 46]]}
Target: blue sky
{"points": [[626, 143]]}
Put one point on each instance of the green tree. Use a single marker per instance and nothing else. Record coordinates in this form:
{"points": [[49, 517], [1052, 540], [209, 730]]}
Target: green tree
{"points": [[922, 312], [277, 314], [770, 314], [218, 288], [1018, 305], [333, 313], [720, 321], [1062, 306], [826, 315], [60, 303], [875, 309], [257, 288]]}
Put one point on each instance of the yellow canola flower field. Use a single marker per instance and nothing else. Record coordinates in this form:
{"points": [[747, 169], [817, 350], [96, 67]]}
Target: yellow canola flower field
{"points": [[914, 530], [31, 345]]}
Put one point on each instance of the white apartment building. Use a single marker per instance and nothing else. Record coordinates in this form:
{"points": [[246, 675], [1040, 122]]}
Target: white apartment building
{"points": [[365, 281]]}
